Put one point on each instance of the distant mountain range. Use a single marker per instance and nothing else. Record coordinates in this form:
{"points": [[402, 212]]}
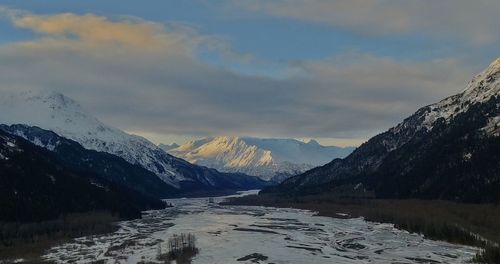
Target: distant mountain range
{"points": [[267, 158], [66, 118], [448, 150]]}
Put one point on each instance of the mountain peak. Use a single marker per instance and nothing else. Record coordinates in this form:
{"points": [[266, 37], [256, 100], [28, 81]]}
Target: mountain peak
{"points": [[227, 138], [483, 86], [495, 64], [480, 89], [61, 99], [491, 75], [232, 139], [263, 157], [55, 100], [312, 142]]}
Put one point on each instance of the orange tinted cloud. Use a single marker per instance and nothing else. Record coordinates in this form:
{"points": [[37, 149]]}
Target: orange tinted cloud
{"points": [[95, 31]]}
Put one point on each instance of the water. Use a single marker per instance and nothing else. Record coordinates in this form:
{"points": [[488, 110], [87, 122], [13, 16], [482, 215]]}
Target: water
{"points": [[228, 233]]}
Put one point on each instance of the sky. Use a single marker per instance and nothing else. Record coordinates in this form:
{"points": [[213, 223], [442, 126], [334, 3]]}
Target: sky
{"points": [[339, 71]]}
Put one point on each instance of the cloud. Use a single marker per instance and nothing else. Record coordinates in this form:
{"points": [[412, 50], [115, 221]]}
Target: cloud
{"points": [[95, 29], [473, 21], [125, 34], [90, 32], [169, 91]]}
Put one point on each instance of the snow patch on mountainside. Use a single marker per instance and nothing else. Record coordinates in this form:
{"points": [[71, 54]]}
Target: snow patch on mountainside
{"points": [[493, 126], [257, 156]]}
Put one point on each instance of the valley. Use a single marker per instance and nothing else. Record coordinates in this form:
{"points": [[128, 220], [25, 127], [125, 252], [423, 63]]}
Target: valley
{"points": [[250, 132], [462, 223], [243, 234]]}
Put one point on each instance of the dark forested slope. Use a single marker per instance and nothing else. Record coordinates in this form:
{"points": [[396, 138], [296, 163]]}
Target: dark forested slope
{"points": [[35, 185], [108, 166]]}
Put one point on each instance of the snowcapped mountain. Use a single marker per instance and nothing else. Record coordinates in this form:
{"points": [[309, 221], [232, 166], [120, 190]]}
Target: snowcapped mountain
{"points": [[480, 89], [72, 155], [62, 115], [447, 150], [261, 157]]}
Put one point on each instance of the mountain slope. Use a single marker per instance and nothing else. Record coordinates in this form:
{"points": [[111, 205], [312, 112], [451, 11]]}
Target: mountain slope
{"points": [[448, 150], [35, 186], [265, 158], [62, 115], [107, 166]]}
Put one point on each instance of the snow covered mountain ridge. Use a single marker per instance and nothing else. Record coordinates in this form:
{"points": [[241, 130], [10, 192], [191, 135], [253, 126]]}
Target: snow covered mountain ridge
{"points": [[480, 89], [64, 116], [260, 157], [447, 150]]}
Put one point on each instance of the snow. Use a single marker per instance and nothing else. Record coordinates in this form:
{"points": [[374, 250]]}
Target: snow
{"points": [[62, 115], [52, 178], [257, 156], [37, 141], [8, 146], [480, 89], [97, 185], [493, 126], [226, 233]]}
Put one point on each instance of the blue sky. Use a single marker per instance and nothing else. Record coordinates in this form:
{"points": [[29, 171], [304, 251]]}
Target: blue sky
{"points": [[339, 71], [274, 38]]}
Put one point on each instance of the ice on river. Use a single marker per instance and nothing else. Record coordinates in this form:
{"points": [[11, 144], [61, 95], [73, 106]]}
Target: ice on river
{"points": [[227, 233]]}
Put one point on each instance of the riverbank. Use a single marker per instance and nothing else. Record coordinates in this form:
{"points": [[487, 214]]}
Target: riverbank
{"points": [[468, 224], [233, 234], [26, 242]]}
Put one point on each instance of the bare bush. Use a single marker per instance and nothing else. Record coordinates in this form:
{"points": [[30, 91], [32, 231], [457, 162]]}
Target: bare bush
{"points": [[181, 248]]}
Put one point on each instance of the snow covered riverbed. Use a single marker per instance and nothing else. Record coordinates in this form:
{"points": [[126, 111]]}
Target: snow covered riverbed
{"points": [[242, 234]]}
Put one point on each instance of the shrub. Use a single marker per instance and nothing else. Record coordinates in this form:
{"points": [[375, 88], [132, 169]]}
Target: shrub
{"points": [[181, 248]]}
